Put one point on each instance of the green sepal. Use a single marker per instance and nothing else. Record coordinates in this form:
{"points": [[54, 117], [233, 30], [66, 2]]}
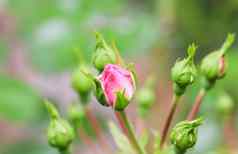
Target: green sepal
{"points": [[54, 114], [132, 69], [227, 43], [179, 89], [100, 96], [121, 101]]}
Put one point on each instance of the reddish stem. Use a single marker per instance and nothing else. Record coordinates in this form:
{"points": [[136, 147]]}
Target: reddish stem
{"points": [[98, 131], [196, 106], [168, 120], [121, 123], [93, 121], [84, 138]]}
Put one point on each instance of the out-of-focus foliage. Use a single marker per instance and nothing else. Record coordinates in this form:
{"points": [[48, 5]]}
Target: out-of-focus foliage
{"points": [[3, 51], [121, 140], [23, 148], [205, 21], [54, 27], [18, 102]]}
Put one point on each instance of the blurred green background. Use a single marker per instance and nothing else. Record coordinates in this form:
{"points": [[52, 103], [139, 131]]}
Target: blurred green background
{"points": [[38, 38]]}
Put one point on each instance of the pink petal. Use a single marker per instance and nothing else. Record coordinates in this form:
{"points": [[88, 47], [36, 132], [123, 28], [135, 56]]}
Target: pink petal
{"points": [[116, 79]]}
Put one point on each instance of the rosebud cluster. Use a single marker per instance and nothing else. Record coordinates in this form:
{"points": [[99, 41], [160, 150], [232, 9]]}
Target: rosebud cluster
{"points": [[115, 87], [184, 134], [60, 133], [184, 71], [213, 66]]}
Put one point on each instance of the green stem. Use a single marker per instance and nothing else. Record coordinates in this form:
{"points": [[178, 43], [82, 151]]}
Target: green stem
{"points": [[65, 151], [126, 127], [169, 119]]}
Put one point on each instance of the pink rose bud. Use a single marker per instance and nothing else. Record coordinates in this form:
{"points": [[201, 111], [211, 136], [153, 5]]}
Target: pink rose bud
{"points": [[118, 86]]}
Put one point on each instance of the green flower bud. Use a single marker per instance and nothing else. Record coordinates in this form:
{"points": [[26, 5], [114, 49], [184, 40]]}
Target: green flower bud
{"points": [[184, 71], [213, 66], [103, 54], [225, 105], [76, 112], [82, 83], [60, 133], [184, 134], [146, 97]]}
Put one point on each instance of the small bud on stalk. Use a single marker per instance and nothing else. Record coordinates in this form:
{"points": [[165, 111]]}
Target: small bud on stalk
{"points": [[184, 135], [60, 133], [76, 112], [184, 71], [225, 105], [103, 54], [82, 83], [115, 87], [213, 66], [146, 97]]}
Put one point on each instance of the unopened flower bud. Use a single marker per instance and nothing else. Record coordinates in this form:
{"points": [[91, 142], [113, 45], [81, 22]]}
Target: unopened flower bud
{"points": [[60, 133], [103, 54], [184, 71], [184, 134], [213, 66], [82, 83], [225, 105], [146, 97], [76, 112], [116, 86]]}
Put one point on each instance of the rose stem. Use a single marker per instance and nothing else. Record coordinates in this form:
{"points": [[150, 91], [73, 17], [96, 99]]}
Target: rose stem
{"points": [[93, 121], [97, 129], [196, 106], [169, 119], [126, 128]]}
